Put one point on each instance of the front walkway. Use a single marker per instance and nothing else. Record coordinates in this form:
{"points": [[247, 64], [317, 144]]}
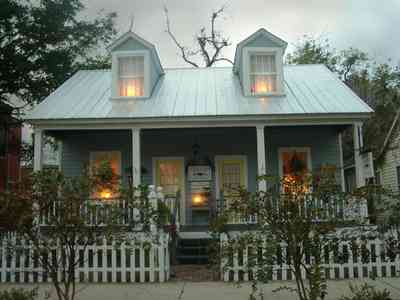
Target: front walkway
{"points": [[207, 290]]}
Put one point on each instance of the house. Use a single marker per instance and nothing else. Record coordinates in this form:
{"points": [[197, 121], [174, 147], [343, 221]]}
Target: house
{"points": [[199, 130], [10, 142], [388, 166]]}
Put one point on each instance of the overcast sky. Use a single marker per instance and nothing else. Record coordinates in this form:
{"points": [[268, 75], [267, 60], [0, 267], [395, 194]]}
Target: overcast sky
{"points": [[370, 25]]}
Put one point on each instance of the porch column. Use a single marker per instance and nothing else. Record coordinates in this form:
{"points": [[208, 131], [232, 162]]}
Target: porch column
{"points": [[358, 145], [136, 156], [37, 149], [341, 164], [261, 164]]}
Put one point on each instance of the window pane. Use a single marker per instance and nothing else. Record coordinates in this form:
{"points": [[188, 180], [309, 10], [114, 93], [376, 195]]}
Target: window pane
{"points": [[131, 87], [262, 63], [262, 84], [169, 176], [114, 159], [294, 170], [131, 76], [131, 66]]}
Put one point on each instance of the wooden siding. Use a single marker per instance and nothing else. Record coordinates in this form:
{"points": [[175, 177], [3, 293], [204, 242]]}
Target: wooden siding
{"points": [[322, 141], [77, 145], [391, 162]]}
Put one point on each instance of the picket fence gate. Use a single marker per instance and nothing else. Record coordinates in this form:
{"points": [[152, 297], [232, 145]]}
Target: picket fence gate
{"points": [[378, 263], [107, 262]]}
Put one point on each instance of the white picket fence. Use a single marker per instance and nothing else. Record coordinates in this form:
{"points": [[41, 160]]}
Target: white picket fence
{"points": [[378, 263], [107, 262]]}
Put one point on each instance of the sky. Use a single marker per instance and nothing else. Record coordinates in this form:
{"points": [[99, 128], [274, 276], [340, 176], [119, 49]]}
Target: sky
{"points": [[370, 25]]}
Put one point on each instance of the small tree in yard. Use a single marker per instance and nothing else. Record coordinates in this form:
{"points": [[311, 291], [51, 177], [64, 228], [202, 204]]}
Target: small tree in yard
{"points": [[51, 214], [291, 229]]}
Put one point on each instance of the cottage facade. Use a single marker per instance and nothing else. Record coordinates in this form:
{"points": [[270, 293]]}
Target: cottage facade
{"points": [[196, 131]]}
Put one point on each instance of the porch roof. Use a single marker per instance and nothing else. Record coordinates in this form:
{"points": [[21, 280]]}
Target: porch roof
{"points": [[205, 92]]}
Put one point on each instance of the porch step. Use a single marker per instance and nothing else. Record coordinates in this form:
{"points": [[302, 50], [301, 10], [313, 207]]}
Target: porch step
{"points": [[194, 228], [194, 273], [192, 251]]}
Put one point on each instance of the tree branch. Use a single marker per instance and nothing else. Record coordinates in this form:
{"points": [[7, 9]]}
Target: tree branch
{"points": [[183, 49], [210, 45]]}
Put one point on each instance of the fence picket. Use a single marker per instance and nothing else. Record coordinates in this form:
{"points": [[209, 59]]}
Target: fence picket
{"points": [[379, 263]]}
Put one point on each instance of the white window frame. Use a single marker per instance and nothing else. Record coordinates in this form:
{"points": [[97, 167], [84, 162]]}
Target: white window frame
{"points": [[292, 149], [278, 52], [115, 73], [219, 158]]}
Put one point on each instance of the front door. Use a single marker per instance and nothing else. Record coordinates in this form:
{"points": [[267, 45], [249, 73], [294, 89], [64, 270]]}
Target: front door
{"points": [[231, 175], [169, 174]]}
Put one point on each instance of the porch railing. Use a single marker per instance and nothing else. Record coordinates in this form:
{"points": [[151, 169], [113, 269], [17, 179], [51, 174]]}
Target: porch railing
{"points": [[321, 209], [97, 211]]}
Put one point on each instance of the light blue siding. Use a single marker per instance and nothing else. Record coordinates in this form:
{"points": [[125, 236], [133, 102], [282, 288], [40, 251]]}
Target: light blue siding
{"points": [[77, 145], [322, 141], [130, 45]]}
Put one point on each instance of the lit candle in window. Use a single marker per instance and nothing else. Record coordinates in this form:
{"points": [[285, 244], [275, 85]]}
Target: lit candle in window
{"points": [[197, 200], [130, 90], [105, 194]]}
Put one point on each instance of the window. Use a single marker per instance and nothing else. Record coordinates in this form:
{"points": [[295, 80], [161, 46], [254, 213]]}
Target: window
{"points": [[131, 76], [114, 159], [263, 73], [294, 168], [169, 175]]}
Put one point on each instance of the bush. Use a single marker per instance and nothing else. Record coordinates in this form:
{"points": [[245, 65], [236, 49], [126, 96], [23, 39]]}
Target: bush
{"points": [[19, 294], [367, 292]]}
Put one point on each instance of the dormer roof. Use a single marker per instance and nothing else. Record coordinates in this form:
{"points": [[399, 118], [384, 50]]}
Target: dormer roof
{"points": [[266, 36], [129, 35]]}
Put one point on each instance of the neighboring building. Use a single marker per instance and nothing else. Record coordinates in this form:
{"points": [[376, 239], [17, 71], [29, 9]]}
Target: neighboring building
{"points": [[198, 129], [388, 161], [10, 144]]}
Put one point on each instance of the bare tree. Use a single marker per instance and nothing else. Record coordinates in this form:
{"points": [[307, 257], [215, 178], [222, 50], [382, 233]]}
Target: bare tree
{"points": [[209, 45]]}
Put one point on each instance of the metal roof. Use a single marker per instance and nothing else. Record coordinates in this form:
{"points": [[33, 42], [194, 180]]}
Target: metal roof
{"points": [[309, 89]]}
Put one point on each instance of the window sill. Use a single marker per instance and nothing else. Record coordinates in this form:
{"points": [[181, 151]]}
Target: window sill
{"points": [[127, 98], [277, 94]]}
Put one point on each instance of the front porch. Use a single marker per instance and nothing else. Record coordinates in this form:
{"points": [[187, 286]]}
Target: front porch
{"points": [[231, 155]]}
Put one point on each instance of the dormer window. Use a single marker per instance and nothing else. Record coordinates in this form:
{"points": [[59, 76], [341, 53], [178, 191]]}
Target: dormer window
{"points": [[131, 76], [263, 73]]}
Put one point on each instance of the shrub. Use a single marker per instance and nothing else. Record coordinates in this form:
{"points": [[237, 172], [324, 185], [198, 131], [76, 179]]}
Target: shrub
{"points": [[366, 292], [19, 294]]}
